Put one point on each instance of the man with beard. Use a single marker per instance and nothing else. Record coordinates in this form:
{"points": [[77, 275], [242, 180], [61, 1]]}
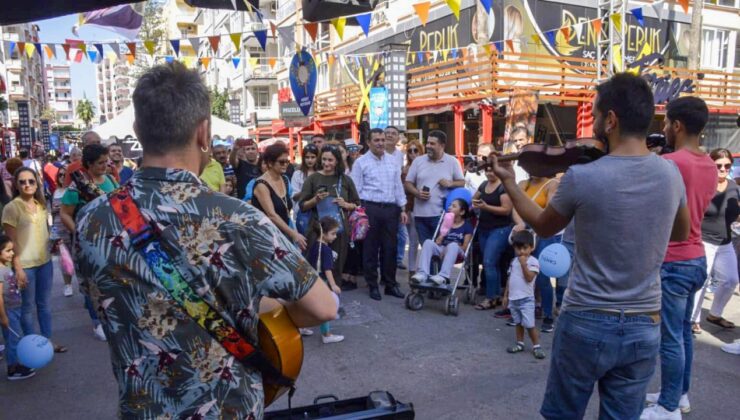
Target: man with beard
{"points": [[115, 154], [627, 206], [244, 158]]}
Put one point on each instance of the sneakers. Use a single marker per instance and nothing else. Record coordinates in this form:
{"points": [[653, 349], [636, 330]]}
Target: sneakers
{"points": [[511, 323], [99, 333], [683, 403], [504, 313], [538, 353], [657, 412], [438, 280], [20, 372], [306, 332], [334, 338], [547, 325], [732, 348], [419, 278], [68, 290]]}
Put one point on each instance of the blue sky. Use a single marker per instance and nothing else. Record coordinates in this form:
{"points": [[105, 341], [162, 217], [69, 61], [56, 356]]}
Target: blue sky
{"points": [[58, 29]]}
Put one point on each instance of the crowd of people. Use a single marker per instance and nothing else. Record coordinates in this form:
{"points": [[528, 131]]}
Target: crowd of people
{"points": [[258, 229]]}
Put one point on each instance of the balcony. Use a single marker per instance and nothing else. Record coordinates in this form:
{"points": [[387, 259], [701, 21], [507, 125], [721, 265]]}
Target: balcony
{"points": [[260, 75]]}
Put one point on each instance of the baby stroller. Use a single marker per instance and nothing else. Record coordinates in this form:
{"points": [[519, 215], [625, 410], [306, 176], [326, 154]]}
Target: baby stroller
{"points": [[414, 299]]}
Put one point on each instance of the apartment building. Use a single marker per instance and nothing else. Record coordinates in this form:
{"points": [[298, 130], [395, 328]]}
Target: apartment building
{"points": [[59, 93], [114, 86]]}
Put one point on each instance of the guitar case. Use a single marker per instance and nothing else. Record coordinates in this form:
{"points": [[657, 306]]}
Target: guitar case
{"points": [[377, 405]]}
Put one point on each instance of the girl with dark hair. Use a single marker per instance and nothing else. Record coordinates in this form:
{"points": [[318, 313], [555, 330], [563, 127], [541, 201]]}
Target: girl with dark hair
{"points": [[321, 258], [309, 160], [272, 192], [25, 222], [60, 235], [716, 233], [330, 192]]}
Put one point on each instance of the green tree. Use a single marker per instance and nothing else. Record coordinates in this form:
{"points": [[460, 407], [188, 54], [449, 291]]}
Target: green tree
{"points": [[220, 104], [85, 111], [49, 114], [153, 28]]}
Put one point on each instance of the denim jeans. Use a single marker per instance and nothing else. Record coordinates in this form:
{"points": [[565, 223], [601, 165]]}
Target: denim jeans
{"points": [[542, 282], [679, 280], [425, 227], [562, 282], [403, 238], [617, 351], [493, 243], [91, 311], [11, 340], [37, 291]]}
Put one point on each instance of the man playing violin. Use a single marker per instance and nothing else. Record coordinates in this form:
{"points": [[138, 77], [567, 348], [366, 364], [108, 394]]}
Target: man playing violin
{"points": [[627, 205]]}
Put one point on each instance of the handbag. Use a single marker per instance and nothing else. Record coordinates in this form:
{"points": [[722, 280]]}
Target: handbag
{"points": [[327, 207]]}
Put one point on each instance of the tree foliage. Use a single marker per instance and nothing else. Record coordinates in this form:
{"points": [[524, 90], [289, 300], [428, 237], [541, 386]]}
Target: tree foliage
{"points": [[85, 111], [220, 104], [153, 28], [49, 114]]}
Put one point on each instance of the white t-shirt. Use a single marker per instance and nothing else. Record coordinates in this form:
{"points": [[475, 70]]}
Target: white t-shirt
{"points": [[473, 181], [519, 288]]}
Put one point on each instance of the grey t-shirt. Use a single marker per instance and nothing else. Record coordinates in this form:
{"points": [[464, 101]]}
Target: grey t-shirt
{"points": [[624, 208], [427, 173]]}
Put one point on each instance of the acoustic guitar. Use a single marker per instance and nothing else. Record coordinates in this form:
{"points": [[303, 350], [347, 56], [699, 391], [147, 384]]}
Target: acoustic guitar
{"points": [[282, 345]]}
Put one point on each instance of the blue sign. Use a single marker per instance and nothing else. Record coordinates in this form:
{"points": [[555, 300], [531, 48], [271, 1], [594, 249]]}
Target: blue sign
{"points": [[303, 80], [54, 142], [378, 107]]}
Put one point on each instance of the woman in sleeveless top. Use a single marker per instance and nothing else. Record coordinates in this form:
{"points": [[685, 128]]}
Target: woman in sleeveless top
{"points": [[271, 192]]}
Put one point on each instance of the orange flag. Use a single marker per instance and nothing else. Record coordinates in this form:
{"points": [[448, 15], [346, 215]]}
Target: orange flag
{"points": [[49, 51], [510, 44], [206, 60], [597, 27], [331, 59], [214, 40], [271, 61], [422, 10], [566, 32], [130, 58], [131, 47], [312, 29], [685, 5]]}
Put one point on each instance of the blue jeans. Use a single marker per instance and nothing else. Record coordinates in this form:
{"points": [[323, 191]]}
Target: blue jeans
{"points": [[679, 281], [425, 227], [617, 351], [562, 282], [403, 238], [493, 243], [37, 291], [11, 340], [91, 311], [543, 282]]}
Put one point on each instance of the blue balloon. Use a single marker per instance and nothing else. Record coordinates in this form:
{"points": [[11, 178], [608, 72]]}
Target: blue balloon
{"points": [[35, 351], [461, 193], [554, 260]]}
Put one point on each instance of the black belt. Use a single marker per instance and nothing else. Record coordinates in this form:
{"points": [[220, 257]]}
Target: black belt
{"points": [[377, 204]]}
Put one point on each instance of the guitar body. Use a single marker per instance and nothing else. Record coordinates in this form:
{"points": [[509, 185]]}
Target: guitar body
{"points": [[282, 345]]}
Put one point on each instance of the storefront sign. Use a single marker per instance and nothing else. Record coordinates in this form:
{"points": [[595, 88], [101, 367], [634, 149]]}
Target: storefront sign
{"points": [[292, 115], [378, 107], [24, 125]]}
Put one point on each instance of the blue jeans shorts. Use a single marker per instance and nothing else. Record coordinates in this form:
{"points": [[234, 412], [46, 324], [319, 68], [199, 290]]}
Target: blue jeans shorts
{"points": [[522, 311]]}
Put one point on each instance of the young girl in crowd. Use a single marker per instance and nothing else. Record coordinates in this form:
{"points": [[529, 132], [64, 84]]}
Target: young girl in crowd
{"points": [[448, 246], [10, 311], [322, 258], [60, 235]]}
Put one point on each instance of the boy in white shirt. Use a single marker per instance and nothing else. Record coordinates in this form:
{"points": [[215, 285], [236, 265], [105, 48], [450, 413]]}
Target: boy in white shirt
{"points": [[520, 292]]}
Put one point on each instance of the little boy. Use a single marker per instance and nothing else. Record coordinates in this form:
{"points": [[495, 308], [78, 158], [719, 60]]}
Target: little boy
{"points": [[520, 292]]}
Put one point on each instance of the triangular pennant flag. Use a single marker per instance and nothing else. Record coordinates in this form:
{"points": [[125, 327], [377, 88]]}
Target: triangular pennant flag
{"points": [[130, 59], [66, 48], [169, 59], [235, 61], [637, 13], [236, 39], [491, 26], [537, 40], [551, 36], [338, 25], [261, 36], [358, 63], [435, 54], [463, 53], [364, 21], [454, 5], [428, 56], [444, 54], [39, 50], [12, 47], [214, 40], [195, 43], [453, 53], [253, 62], [78, 56], [50, 51], [422, 10], [188, 60], [499, 46], [99, 47], [330, 59], [205, 61], [596, 23], [312, 28], [21, 48], [273, 28], [83, 48], [116, 49], [30, 48], [646, 50], [112, 57], [131, 48], [617, 57], [287, 34], [487, 49], [685, 5], [579, 30], [510, 44], [617, 21], [565, 30], [93, 56], [658, 9], [420, 56], [233, 4], [271, 61], [175, 43], [486, 5], [149, 46]]}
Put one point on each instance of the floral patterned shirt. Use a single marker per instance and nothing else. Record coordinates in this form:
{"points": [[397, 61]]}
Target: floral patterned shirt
{"points": [[168, 367]]}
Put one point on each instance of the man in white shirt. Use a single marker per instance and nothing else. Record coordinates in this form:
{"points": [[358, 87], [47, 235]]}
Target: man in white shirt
{"points": [[377, 179]]}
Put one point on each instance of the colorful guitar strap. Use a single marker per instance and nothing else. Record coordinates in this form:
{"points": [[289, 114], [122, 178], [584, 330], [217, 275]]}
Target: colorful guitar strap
{"points": [[144, 237]]}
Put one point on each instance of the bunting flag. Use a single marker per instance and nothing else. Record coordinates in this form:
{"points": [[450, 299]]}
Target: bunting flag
{"points": [[93, 55], [273, 28], [236, 39], [646, 50], [112, 57], [338, 25], [617, 57], [189, 61], [617, 21], [169, 59], [78, 56], [435, 54], [261, 36], [99, 47], [637, 13], [487, 49], [453, 53], [253, 62], [428, 56], [312, 28], [83, 47], [486, 5], [537, 40], [39, 49], [130, 59], [596, 23], [65, 47], [422, 10], [565, 30], [420, 56], [510, 44], [131, 48], [499, 47], [11, 48], [175, 46], [205, 61], [287, 34], [463, 53], [50, 51], [235, 61], [271, 61], [551, 37], [214, 40], [444, 55], [454, 5], [685, 5], [579, 29], [21, 48], [30, 49], [364, 21], [658, 9], [149, 45], [330, 59], [195, 43], [116, 49]]}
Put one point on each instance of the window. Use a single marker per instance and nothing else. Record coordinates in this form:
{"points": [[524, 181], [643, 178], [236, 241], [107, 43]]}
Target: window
{"points": [[728, 3], [262, 97], [715, 48]]}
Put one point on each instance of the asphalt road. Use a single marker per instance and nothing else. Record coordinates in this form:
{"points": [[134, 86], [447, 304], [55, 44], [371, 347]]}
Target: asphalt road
{"points": [[448, 367]]}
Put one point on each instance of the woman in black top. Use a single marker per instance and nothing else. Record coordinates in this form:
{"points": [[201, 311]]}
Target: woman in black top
{"points": [[494, 227], [716, 234], [271, 192]]}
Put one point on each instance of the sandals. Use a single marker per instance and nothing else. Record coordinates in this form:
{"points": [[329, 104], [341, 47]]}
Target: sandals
{"points": [[695, 328], [516, 348], [721, 322], [485, 305]]}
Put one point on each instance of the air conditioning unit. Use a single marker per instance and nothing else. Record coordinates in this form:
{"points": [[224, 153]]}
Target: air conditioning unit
{"points": [[319, 10]]}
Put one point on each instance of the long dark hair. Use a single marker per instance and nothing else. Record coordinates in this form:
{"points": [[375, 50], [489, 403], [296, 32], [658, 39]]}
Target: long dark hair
{"points": [[309, 148], [39, 194], [334, 150]]}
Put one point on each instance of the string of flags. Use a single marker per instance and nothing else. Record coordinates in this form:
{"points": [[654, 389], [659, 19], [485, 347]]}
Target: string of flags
{"points": [[96, 51]]}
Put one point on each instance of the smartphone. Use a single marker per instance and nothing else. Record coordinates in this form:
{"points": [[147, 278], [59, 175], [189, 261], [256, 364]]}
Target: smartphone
{"points": [[322, 189], [425, 189]]}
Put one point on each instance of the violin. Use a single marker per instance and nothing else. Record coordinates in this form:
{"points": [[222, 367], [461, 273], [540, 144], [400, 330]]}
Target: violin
{"points": [[541, 160]]}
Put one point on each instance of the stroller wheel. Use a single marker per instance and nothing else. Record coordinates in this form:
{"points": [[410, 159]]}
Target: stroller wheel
{"points": [[451, 305], [414, 301], [470, 295]]}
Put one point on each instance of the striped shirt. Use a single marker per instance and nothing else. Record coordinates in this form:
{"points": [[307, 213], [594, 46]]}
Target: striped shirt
{"points": [[378, 179]]}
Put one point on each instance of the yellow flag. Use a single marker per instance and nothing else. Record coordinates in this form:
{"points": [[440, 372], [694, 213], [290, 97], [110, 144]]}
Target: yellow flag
{"points": [[237, 40], [253, 61], [112, 57], [487, 48], [537, 40], [617, 21], [646, 50], [617, 57], [30, 49], [149, 45], [339, 24], [83, 48], [444, 54], [188, 61], [455, 7]]}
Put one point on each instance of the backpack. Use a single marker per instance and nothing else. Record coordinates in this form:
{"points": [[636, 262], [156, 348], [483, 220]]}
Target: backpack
{"points": [[359, 224]]}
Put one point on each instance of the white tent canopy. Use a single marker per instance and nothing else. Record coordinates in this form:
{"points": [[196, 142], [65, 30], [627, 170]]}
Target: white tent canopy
{"points": [[123, 126]]}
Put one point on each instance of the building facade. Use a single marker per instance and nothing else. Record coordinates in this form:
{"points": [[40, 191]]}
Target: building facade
{"points": [[114, 86], [59, 93]]}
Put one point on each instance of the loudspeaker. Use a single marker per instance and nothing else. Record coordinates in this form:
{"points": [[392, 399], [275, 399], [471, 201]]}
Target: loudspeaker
{"points": [[318, 10]]}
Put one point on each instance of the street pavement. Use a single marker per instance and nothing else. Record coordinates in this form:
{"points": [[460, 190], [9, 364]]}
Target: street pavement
{"points": [[448, 367]]}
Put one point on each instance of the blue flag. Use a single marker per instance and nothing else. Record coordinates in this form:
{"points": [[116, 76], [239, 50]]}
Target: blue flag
{"points": [[236, 61], [551, 36], [486, 5], [420, 56], [364, 21], [637, 13], [99, 47], [261, 36], [38, 49], [175, 46], [93, 55], [169, 58]]}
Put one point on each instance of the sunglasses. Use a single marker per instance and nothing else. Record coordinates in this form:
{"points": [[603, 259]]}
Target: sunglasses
{"points": [[27, 182], [283, 161], [311, 149], [413, 150], [727, 166]]}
